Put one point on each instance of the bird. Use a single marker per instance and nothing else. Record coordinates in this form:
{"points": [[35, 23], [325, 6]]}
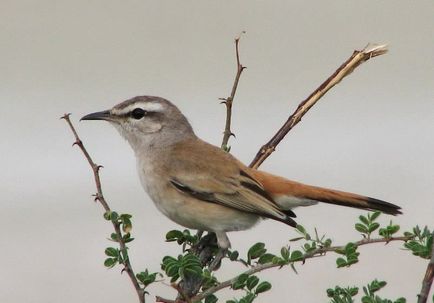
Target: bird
{"points": [[201, 186]]}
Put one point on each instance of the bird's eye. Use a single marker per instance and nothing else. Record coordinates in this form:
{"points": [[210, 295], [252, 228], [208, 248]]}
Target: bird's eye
{"points": [[138, 113]]}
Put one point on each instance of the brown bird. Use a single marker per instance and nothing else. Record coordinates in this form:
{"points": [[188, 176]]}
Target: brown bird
{"points": [[199, 185]]}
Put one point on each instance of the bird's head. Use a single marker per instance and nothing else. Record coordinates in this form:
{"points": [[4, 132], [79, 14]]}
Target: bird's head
{"points": [[146, 121]]}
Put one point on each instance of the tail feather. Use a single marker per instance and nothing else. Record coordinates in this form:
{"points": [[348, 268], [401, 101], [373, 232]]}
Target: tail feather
{"points": [[289, 194]]}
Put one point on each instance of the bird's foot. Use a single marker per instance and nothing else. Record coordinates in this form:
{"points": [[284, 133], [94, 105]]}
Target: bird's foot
{"points": [[215, 264]]}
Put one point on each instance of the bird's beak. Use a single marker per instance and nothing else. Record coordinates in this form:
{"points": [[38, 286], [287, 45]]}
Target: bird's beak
{"points": [[104, 115]]}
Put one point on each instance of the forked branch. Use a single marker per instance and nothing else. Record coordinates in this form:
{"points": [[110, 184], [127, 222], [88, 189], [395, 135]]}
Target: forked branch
{"points": [[357, 58], [99, 196], [229, 100]]}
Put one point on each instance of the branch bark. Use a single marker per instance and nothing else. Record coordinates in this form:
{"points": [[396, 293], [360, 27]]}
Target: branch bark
{"points": [[428, 279], [316, 253], [357, 58], [229, 100], [99, 196]]}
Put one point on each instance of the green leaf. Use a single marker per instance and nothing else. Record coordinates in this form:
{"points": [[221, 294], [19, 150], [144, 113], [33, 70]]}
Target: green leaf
{"points": [[340, 262], [211, 299], [285, 253], [364, 220], [373, 226], [265, 258], [251, 282], [256, 251], [233, 256], [107, 215], [263, 287], [240, 282], [110, 262], [174, 235], [301, 229], [361, 228], [375, 215], [296, 255], [111, 252], [242, 278], [126, 224], [296, 239], [127, 238], [114, 237]]}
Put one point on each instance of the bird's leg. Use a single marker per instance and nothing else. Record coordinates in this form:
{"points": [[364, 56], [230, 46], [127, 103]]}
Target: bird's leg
{"points": [[224, 244]]}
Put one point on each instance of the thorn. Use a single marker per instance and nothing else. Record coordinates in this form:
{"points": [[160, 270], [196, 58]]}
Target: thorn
{"points": [[77, 142], [65, 116], [232, 134], [123, 269]]}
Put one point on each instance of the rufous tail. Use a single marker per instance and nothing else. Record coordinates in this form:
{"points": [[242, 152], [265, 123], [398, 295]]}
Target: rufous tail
{"points": [[279, 188]]}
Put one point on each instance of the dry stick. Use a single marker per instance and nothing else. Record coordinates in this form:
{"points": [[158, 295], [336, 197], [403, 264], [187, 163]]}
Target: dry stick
{"points": [[316, 253], [100, 198], [357, 58], [229, 100], [428, 279], [194, 286], [163, 300]]}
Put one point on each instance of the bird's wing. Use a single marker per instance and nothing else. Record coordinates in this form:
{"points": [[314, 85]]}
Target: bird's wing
{"points": [[222, 180]]}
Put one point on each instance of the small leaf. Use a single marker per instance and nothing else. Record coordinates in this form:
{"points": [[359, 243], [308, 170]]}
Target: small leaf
{"points": [[375, 215], [327, 242], [296, 239], [114, 237], [364, 220], [256, 251], [285, 253], [114, 216], [233, 256], [340, 262], [265, 258], [126, 225], [263, 287], [111, 252], [251, 282], [211, 299], [301, 229], [373, 226], [174, 235], [296, 255], [110, 262], [107, 215]]}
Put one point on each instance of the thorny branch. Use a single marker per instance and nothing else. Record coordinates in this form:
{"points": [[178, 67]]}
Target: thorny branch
{"points": [[229, 100], [316, 253], [428, 279], [357, 58], [99, 196]]}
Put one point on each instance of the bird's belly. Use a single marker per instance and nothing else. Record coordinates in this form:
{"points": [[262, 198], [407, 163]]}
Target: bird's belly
{"points": [[202, 215], [188, 211], [193, 213]]}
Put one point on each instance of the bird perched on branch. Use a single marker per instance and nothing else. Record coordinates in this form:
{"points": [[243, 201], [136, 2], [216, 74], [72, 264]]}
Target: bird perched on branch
{"points": [[202, 187]]}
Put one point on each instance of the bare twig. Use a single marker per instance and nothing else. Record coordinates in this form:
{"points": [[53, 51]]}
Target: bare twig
{"points": [[316, 253], [229, 100], [99, 196], [428, 279], [159, 299], [357, 58]]}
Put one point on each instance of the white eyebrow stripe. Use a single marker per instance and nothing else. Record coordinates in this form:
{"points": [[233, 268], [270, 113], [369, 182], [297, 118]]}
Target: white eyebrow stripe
{"points": [[147, 106]]}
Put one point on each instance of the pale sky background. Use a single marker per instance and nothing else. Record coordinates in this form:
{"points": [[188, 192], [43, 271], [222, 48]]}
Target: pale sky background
{"points": [[372, 134]]}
